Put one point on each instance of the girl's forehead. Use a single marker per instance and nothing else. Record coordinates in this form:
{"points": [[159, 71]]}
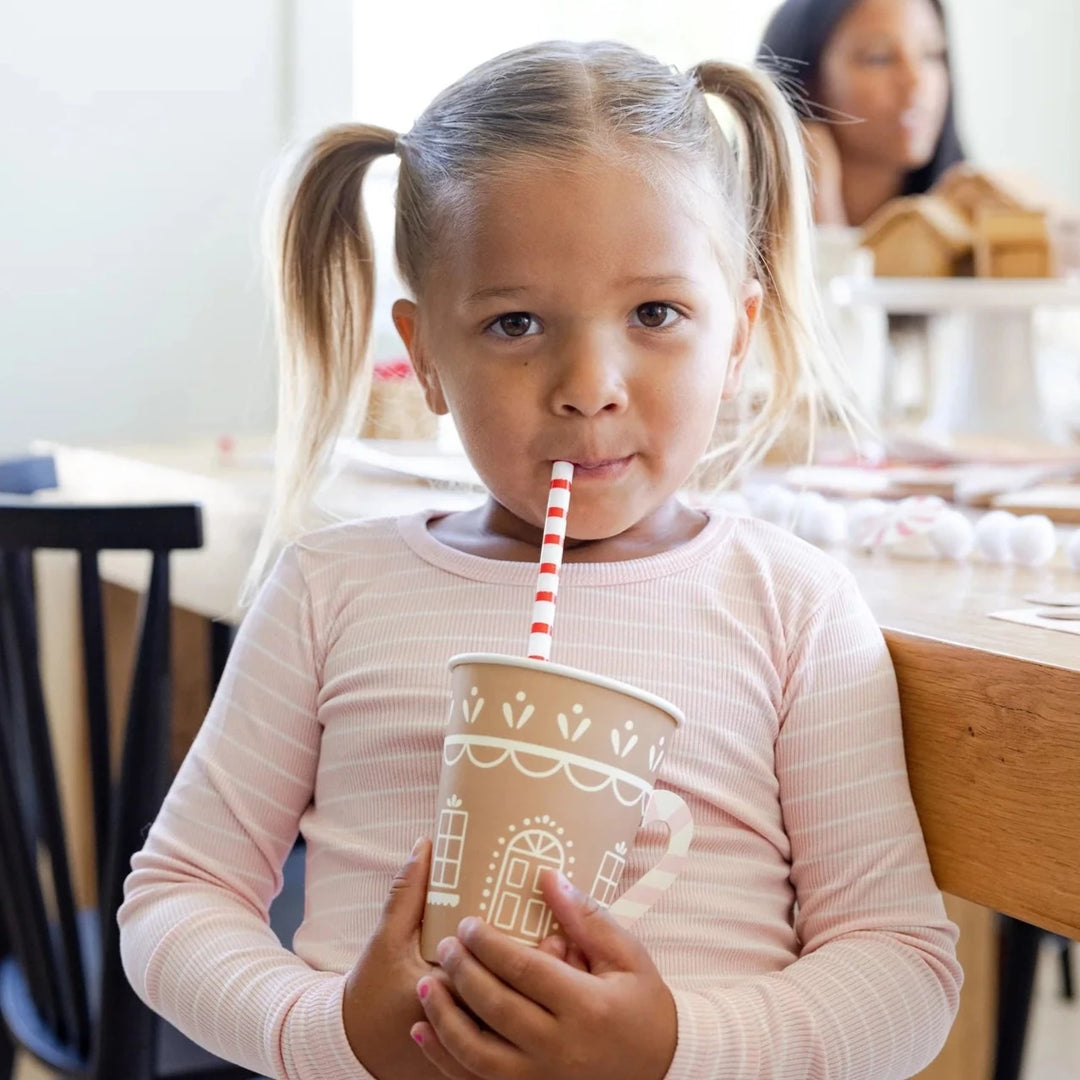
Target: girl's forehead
{"points": [[614, 219]]}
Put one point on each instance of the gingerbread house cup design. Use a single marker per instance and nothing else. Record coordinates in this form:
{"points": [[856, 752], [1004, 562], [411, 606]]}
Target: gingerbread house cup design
{"points": [[541, 770], [446, 856], [513, 901], [607, 877]]}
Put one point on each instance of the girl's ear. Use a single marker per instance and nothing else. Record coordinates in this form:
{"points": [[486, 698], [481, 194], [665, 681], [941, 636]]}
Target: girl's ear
{"points": [[405, 319], [746, 317]]}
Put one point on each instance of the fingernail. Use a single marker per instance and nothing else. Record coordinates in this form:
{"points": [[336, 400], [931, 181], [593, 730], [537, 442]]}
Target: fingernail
{"points": [[418, 1038], [564, 883], [416, 848], [423, 989], [443, 949]]}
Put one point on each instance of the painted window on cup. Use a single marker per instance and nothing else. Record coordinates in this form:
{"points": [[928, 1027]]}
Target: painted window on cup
{"points": [[449, 842], [607, 878]]}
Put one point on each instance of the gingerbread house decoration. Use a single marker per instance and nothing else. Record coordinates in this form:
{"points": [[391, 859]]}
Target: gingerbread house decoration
{"points": [[921, 236], [971, 192], [971, 222], [1013, 244]]}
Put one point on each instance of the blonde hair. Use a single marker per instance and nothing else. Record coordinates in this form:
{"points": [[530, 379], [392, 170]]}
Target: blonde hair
{"points": [[551, 102]]}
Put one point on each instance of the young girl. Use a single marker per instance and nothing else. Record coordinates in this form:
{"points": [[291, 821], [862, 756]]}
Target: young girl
{"points": [[587, 261]]}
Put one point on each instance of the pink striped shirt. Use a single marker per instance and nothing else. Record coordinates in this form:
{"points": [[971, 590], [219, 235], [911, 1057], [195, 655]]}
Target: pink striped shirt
{"points": [[805, 937]]}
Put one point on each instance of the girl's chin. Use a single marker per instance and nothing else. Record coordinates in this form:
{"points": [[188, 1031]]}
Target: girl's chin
{"points": [[588, 528]]}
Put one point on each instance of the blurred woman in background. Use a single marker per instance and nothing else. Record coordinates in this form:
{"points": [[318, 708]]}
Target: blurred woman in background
{"points": [[872, 80]]}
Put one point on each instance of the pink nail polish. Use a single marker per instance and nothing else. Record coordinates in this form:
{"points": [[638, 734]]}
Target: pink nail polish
{"points": [[418, 1038], [423, 990]]}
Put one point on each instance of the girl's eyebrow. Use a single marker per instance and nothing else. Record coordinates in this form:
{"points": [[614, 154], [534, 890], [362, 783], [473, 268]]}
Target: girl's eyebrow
{"points": [[622, 283], [494, 290], [654, 279]]}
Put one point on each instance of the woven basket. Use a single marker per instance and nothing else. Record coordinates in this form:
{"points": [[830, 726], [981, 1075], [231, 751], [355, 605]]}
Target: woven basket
{"points": [[396, 406]]}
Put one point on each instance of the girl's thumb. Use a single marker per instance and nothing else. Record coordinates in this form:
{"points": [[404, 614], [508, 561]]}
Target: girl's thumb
{"points": [[405, 904], [605, 945]]}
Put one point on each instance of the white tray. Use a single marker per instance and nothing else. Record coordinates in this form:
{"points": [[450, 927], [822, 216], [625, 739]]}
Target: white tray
{"points": [[419, 460], [920, 296]]}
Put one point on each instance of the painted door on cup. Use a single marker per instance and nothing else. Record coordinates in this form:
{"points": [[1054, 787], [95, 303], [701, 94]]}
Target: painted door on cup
{"points": [[518, 907]]}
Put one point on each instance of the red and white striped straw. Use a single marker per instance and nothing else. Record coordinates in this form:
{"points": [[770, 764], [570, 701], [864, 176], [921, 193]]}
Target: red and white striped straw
{"points": [[547, 583]]}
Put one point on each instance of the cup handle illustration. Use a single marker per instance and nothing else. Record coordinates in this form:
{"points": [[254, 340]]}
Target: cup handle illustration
{"points": [[667, 807]]}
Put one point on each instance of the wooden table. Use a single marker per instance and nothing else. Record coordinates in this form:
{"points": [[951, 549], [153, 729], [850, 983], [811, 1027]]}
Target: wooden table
{"points": [[968, 683]]}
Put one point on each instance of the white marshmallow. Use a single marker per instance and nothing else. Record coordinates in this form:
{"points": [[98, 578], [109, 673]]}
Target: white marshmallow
{"points": [[834, 526], [821, 522], [811, 509], [863, 518], [952, 535], [992, 534], [1032, 540], [1073, 549], [906, 533], [777, 505]]}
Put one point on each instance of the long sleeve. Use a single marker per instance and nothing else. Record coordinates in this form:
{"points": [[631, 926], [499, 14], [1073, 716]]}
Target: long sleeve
{"points": [[195, 935], [876, 985], [331, 716]]}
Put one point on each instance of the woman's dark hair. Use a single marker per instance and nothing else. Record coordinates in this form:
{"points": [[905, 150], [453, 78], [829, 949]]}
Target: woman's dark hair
{"points": [[792, 47]]}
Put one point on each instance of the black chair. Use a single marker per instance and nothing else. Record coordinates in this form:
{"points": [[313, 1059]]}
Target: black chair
{"points": [[222, 635], [63, 994], [1019, 954], [19, 476]]}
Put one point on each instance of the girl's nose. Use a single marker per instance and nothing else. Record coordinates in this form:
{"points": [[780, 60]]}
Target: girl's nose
{"points": [[591, 381]]}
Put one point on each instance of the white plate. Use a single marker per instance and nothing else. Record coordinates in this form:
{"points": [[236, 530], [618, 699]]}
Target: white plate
{"points": [[419, 460], [923, 295]]}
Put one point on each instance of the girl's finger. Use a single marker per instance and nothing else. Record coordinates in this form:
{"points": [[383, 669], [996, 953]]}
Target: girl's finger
{"points": [[520, 1021], [532, 973], [563, 949], [405, 905], [575, 957], [444, 978], [423, 1034], [554, 945], [480, 1053]]}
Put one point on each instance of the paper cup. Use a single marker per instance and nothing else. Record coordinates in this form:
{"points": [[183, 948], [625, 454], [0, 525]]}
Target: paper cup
{"points": [[546, 767]]}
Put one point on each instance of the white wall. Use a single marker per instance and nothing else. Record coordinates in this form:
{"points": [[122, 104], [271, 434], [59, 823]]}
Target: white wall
{"points": [[136, 143], [1018, 80]]}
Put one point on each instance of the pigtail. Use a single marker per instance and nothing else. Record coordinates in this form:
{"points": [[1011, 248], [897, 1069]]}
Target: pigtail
{"points": [[323, 279], [806, 369]]}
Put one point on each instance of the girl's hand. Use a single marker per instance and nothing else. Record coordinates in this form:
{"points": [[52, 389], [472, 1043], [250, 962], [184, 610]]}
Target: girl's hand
{"points": [[541, 1016], [380, 1004]]}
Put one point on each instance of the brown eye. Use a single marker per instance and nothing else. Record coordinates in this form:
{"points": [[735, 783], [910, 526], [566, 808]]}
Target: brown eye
{"points": [[653, 315], [515, 324]]}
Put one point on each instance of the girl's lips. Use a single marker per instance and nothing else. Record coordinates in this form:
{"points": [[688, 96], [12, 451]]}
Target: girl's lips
{"points": [[601, 469]]}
